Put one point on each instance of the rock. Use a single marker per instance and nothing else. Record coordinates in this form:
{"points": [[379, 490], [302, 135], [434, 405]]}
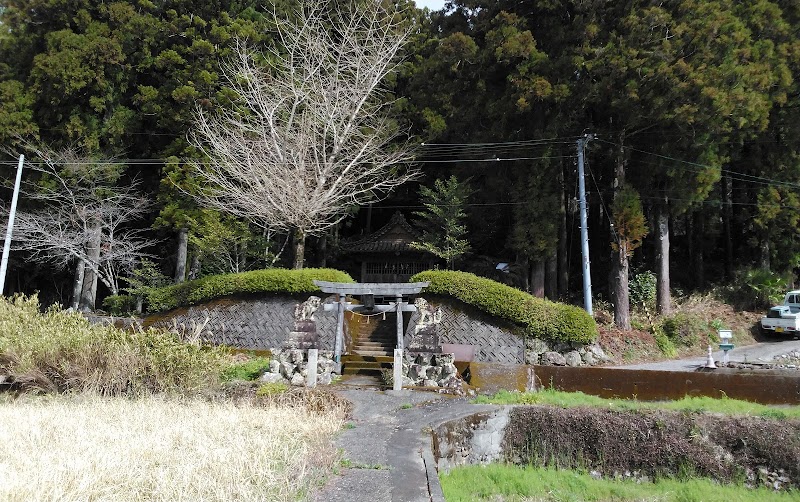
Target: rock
{"points": [[449, 369], [553, 359], [433, 372], [271, 378], [561, 347], [531, 357], [572, 358], [450, 382], [536, 345], [442, 359], [598, 352], [276, 353], [407, 382], [423, 359], [588, 358], [417, 372], [429, 383], [297, 380], [274, 366], [324, 378], [287, 370], [297, 356]]}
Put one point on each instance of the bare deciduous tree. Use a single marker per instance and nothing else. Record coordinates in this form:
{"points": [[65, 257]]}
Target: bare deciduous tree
{"points": [[81, 219], [310, 136]]}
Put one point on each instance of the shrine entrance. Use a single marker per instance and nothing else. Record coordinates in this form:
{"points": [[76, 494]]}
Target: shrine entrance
{"points": [[377, 300]]}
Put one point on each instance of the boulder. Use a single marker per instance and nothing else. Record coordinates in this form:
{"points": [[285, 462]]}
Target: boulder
{"points": [[588, 358], [598, 352], [297, 356], [572, 358], [287, 370], [274, 366], [271, 378], [324, 378], [433, 372], [423, 359], [297, 380], [553, 359], [531, 357]]}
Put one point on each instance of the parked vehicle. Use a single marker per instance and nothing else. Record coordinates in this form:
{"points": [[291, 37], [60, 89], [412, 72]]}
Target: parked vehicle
{"points": [[783, 319]]}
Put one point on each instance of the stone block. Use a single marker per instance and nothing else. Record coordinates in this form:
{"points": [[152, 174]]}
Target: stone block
{"points": [[553, 359], [572, 358]]}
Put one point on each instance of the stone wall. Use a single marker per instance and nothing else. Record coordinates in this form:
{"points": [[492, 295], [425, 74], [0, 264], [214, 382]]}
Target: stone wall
{"points": [[259, 323], [494, 339]]}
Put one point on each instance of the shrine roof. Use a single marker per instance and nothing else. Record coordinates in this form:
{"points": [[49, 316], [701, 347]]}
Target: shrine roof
{"points": [[395, 236]]}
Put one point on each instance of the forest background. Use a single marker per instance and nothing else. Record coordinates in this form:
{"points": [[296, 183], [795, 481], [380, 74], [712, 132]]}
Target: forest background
{"points": [[693, 108]]}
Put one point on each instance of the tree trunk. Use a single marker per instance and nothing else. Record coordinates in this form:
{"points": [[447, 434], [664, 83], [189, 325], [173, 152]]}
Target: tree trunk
{"points": [[551, 277], [194, 270], [89, 291], [764, 260], [323, 250], [619, 257], [183, 253], [727, 221], [77, 285], [537, 278], [563, 251], [299, 248], [663, 297], [622, 304], [699, 227]]}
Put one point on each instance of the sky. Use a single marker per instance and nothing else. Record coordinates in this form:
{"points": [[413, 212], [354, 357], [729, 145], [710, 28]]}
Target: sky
{"points": [[431, 4]]}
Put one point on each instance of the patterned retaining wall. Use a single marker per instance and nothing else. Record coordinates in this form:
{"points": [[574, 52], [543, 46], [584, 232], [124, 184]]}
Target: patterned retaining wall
{"points": [[462, 324], [263, 322], [258, 323]]}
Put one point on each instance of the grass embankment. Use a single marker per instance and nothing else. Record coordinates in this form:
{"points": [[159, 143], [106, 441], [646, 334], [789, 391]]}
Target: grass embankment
{"points": [[512, 483], [687, 404], [90, 448]]}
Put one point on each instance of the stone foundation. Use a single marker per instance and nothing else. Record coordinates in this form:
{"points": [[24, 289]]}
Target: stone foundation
{"points": [[290, 366], [424, 369]]}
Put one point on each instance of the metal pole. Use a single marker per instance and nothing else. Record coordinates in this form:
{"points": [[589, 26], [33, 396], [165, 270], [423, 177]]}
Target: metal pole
{"points": [[587, 278], [11, 214]]}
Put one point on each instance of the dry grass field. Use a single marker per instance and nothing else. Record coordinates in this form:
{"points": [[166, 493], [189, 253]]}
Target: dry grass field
{"points": [[120, 449]]}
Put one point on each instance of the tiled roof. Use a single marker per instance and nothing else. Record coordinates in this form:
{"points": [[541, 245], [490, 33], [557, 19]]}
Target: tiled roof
{"points": [[395, 237]]}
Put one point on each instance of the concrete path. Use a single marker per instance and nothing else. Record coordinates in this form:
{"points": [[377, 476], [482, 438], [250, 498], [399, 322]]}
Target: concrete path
{"points": [[386, 448], [759, 353]]}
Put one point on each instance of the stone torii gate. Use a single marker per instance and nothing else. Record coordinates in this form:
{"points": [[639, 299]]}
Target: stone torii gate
{"points": [[368, 291]]}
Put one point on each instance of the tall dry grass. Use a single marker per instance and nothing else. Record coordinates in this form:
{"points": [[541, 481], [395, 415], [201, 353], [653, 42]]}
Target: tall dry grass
{"points": [[93, 448], [59, 351]]}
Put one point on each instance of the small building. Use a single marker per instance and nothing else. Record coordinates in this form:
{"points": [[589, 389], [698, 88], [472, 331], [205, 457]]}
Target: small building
{"points": [[387, 255]]}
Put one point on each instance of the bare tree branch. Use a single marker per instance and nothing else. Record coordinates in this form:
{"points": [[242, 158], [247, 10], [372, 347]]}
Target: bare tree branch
{"points": [[311, 136]]}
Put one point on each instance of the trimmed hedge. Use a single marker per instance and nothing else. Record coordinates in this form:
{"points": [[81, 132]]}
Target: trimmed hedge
{"points": [[273, 280], [539, 318]]}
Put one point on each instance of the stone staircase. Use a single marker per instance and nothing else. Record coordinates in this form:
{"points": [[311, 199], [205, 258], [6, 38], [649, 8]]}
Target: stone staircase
{"points": [[373, 347]]}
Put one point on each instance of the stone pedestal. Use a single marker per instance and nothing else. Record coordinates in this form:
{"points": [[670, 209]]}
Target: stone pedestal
{"points": [[425, 339], [303, 336]]}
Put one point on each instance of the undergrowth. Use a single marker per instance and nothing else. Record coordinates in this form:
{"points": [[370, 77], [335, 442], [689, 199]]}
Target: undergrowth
{"points": [[59, 351]]}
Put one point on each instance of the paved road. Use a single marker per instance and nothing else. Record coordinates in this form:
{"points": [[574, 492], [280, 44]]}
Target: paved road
{"points": [[760, 352]]}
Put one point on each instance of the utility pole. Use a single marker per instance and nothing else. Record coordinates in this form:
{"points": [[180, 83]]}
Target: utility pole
{"points": [[587, 278], [11, 214]]}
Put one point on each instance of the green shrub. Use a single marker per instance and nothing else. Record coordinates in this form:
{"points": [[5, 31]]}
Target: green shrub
{"points": [[756, 288], [642, 288], [664, 343], [60, 351], [119, 305], [271, 389], [539, 318], [684, 330], [274, 280], [249, 370]]}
